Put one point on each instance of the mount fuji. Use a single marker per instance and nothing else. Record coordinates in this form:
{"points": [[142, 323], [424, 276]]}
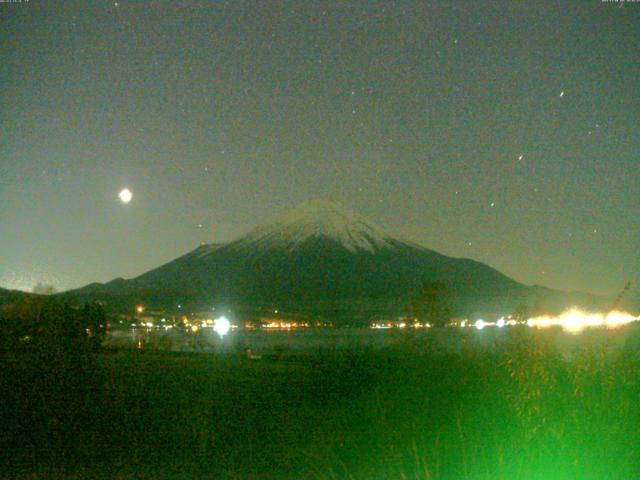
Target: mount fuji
{"points": [[317, 259]]}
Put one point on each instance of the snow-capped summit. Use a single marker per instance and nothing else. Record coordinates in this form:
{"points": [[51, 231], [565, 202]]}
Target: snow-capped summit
{"points": [[318, 219]]}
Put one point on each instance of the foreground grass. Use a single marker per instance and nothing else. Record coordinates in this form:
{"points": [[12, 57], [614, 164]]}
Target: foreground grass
{"points": [[519, 411]]}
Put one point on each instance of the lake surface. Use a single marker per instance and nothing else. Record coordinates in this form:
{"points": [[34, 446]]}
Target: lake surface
{"points": [[452, 340]]}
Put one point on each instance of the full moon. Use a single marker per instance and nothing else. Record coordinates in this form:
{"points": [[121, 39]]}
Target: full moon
{"points": [[125, 195]]}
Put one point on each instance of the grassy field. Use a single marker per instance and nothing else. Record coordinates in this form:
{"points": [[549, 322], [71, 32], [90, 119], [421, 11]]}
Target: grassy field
{"points": [[521, 410]]}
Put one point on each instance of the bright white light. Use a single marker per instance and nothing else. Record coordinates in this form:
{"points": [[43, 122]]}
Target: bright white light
{"points": [[500, 323], [616, 318], [575, 320], [221, 326], [125, 195], [479, 324]]}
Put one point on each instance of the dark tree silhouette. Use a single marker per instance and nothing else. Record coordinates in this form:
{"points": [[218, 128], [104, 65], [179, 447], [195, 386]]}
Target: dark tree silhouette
{"points": [[433, 304], [50, 390], [94, 320], [51, 324], [522, 312]]}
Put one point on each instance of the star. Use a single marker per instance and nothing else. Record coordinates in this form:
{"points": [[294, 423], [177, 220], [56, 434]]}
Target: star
{"points": [[520, 157], [562, 94]]}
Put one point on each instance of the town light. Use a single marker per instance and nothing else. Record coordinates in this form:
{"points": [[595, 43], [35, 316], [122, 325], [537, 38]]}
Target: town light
{"points": [[575, 320], [221, 326]]}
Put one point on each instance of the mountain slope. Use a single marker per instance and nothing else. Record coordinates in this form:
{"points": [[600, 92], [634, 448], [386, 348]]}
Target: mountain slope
{"points": [[314, 258]]}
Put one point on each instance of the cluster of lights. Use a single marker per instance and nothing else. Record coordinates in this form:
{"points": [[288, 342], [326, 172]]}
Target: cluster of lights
{"points": [[284, 325], [573, 320], [220, 325], [150, 325], [576, 320], [481, 324], [382, 325], [386, 325]]}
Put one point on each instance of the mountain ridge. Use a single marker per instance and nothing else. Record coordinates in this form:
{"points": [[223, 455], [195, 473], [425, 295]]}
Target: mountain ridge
{"points": [[315, 257]]}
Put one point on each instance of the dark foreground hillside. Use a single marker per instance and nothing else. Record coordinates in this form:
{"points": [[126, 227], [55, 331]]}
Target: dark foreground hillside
{"points": [[522, 411]]}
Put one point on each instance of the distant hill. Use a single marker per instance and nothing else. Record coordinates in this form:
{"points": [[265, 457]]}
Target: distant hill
{"points": [[7, 296], [320, 259]]}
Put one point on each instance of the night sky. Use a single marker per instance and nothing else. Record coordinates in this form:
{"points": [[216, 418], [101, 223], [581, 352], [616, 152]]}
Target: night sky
{"points": [[503, 131]]}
